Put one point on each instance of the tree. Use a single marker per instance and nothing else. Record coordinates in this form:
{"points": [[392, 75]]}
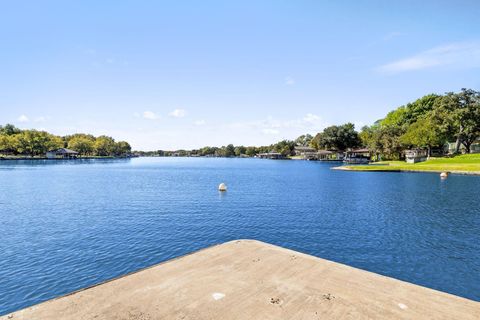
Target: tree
{"points": [[338, 137], [315, 142], [9, 129], [382, 139], [405, 115], [104, 146], [389, 141], [229, 151], [459, 117], [251, 151], [423, 133], [240, 150], [304, 140], [122, 148], [6, 143], [81, 144], [33, 142], [370, 137]]}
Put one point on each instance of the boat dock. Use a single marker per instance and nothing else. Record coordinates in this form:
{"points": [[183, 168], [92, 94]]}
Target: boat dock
{"points": [[248, 279]]}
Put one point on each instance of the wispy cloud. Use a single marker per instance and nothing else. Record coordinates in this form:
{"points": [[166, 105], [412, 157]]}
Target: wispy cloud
{"points": [[289, 81], [458, 55], [41, 119], [200, 123], [23, 118], [150, 115], [311, 118], [178, 113], [393, 35], [270, 131], [309, 122]]}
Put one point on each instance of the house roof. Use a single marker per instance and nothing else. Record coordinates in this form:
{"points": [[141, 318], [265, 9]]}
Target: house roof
{"points": [[324, 152], [363, 150], [64, 151], [303, 148]]}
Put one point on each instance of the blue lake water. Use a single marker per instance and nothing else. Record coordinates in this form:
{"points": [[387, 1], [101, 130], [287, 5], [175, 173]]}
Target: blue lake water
{"points": [[67, 225]]}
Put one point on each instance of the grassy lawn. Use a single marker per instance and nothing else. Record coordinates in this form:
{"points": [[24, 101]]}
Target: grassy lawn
{"points": [[462, 163]]}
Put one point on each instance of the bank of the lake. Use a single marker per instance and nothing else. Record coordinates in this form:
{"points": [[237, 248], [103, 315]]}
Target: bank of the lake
{"points": [[468, 164], [67, 225]]}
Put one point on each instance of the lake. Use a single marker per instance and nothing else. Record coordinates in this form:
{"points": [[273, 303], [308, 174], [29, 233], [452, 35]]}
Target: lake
{"points": [[66, 225]]}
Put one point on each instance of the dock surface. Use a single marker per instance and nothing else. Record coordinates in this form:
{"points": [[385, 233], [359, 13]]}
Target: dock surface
{"points": [[248, 279]]}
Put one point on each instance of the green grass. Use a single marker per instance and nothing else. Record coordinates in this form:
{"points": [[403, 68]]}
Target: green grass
{"points": [[462, 163]]}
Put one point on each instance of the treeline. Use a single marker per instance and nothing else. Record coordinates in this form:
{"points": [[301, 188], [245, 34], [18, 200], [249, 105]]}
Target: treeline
{"points": [[14, 141], [286, 147], [429, 123]]}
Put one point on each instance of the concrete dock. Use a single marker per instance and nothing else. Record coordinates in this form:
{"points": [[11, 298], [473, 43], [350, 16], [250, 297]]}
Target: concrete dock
{"points": [[247, 279]]}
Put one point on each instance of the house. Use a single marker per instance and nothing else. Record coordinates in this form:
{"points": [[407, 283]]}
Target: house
{"points": [[306, 152], [416, 155], [358, 156], [62, 153], [474, 148], [330, 155], [271, 155]]}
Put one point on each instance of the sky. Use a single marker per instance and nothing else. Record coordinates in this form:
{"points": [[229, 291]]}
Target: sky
{"points": [[186, 74]]}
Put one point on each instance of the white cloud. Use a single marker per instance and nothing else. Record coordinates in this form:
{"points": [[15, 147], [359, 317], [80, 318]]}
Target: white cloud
{"points": [[150, 115], [41, 119], [23, 118], [458, 55], [178, 113], [271, 131], [309, 123], [200, 123], [392, 35], [289, 81], [311, 118]]}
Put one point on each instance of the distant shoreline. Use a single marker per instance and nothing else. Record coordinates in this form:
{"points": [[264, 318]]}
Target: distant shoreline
{"points": [[60, 159]]}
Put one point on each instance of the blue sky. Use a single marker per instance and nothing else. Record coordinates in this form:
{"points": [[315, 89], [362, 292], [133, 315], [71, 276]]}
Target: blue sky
{"points": [[184, 74]]}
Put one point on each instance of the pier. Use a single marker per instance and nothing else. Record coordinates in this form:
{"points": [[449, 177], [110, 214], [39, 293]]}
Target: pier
{"points": [[248, 279]]}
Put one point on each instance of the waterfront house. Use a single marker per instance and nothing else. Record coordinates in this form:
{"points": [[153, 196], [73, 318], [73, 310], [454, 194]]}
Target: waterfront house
{"points": [[416, 155], [62, 153], [325, 155], [330, 155], [271, 155], [306, 153], [474, 148], [358, 156]]}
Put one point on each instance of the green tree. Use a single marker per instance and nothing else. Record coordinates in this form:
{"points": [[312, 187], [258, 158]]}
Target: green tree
{"points": [[423, 134], [6, 143], [240, 150], [408, 114], [9, 129], [389, 141], [370, 137], [33, 142], [104, 146], [338, 137], [82, 145], [251, 151], [229, 151], [122, 148], [459, 117], [384, 140], [304, 140]]}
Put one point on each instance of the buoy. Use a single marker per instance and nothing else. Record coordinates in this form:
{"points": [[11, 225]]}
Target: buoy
{"points": [[222, 187], [444, 175]]}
